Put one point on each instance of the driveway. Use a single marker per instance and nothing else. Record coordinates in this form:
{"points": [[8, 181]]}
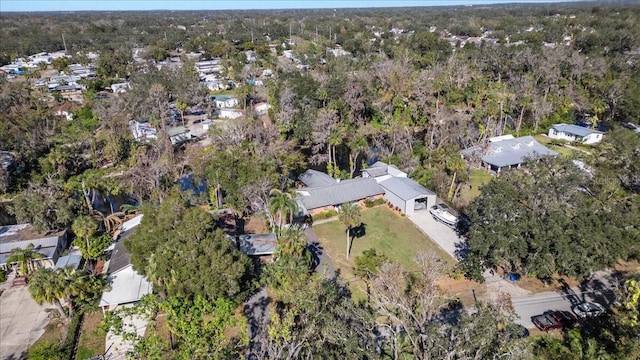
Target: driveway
{"points": [[116, 346], [454, 245], [321, 261], [22, 322], [441, 234]]}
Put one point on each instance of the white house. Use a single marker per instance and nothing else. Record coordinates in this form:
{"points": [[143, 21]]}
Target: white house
{"points": [[19, 236], [223, 102], [261, 108], [228, 113], [126, 286], [179, 134], [575, 133], [120, 87], [142, 131]]}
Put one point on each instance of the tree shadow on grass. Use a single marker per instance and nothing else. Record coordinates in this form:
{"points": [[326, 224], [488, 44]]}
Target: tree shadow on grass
{"points": [[358, 231]]}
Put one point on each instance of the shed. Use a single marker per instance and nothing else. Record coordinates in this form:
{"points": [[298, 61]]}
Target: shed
{"points": [[407, 194]]}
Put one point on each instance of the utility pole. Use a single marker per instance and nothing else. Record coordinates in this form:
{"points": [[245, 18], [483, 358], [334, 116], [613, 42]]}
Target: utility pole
{"points": [[65, 44], [289, 31], [329, 32]]}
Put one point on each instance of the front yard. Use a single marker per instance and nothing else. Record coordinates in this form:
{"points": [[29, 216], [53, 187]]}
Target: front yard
{"points": [[394, 236]]}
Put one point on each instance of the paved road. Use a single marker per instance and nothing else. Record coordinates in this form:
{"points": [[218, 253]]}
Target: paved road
{"points": [[599, 289]]}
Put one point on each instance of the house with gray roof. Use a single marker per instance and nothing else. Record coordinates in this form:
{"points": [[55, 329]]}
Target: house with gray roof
{"points": [[401, 191], [315, 178], [323, 198], [575, 133], [49, 245], [506, 152], [257, 244], [126, 285], [382, 171]]}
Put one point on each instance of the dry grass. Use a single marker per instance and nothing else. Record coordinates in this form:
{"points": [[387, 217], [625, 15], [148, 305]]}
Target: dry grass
{"points": [[92, 339]]}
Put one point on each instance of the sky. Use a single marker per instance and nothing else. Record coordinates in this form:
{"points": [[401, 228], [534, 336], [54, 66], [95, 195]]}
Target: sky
{"points": [[128, 5]]}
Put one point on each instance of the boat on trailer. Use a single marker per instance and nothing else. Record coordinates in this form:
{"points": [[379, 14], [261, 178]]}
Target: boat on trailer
{"points": [[444, 214]]}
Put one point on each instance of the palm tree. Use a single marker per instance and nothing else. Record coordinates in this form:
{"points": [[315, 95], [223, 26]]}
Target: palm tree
{"points": [[46, 287], [283, 204], [292, 241], [24, 258], [351, 217]]}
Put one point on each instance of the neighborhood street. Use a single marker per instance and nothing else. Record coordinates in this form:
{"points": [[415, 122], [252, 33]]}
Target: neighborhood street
{"points": [[600, 289]]}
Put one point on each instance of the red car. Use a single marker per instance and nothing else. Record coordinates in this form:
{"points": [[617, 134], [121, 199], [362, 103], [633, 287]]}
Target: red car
{"points": [[551, 320]]}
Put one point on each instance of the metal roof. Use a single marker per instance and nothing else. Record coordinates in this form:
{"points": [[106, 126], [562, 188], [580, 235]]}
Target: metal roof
{"points": [[339, 193], [514, 151], [405, 188], [127, 286], [21, 235], [314, 178], [68, 260], [575, 130]]}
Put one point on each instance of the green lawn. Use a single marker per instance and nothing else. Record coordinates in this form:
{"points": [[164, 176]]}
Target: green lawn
{"points": [[390, 234], [560, 149], [477, 178]]}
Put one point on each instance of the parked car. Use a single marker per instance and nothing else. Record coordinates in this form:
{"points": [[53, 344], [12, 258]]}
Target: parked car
{"points": [[588, 310], [552, 320]]}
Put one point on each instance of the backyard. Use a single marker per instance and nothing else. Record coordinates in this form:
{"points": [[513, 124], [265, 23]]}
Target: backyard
{"points": [[388, 233], [477, 178]]}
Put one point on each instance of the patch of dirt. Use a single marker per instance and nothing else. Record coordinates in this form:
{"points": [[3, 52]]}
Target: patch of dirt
{"points": [[627, 267], [536, 286], [462, 289], [256, 225]]}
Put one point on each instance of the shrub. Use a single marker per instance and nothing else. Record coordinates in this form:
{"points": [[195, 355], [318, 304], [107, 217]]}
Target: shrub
{"points": [[369, 203], [325, 215], [44, 351], [3, 275], [380, 201]]}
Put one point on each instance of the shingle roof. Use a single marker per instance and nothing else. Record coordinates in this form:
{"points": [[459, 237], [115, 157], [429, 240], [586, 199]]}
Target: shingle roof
{"points": [[257, 244], [405, 188], [339, 193], [376, 171], [515, 151], [120, 258], [314, 178], [575, 130]]}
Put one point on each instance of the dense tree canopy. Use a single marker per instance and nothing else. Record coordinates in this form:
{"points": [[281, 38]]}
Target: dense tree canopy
{"points": [[552, 218], [179, 249]]}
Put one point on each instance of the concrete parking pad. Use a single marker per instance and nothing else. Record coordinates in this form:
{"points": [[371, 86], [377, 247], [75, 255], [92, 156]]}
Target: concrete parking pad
{"points": [[440, 233], [116, 346], [22, 322]]}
